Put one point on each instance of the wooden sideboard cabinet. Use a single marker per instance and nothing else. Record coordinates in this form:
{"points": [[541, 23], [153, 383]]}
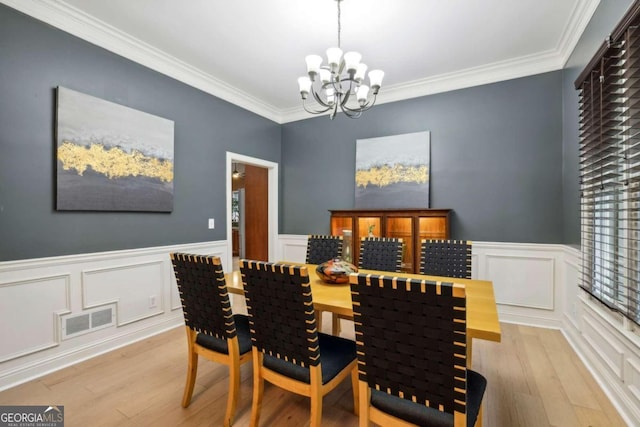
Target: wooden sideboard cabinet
{"points": [[412, 225]]}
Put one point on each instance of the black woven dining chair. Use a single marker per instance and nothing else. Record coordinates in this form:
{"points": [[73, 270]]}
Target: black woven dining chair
{"points": [[213, 331], [448, 258], [381, 253], [322, 248], [411, 342], [288, 350]]}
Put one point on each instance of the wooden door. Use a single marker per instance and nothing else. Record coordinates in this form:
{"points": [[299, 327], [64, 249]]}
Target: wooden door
{"points": [[256, 215]]}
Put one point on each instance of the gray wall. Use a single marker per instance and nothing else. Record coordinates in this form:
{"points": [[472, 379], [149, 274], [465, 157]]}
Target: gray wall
{"points": [[36, 58], [504, 156], [607, 16], [496, 159]]}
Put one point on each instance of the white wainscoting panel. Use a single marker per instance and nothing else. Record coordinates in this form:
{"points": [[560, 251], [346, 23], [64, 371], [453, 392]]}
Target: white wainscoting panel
{"points": [[523, 281], [632, 377], [174, 296], [291, 247], [35, 293], [604, 340], [571, 281], [32, 305], [526, 280], [131, 287], [603, 343], [475, 265]]}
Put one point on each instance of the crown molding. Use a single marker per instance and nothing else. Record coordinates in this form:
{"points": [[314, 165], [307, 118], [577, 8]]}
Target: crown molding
{"points": [[69, 19], [470, 77], [551, 60], [73, 21], [578, 21]]}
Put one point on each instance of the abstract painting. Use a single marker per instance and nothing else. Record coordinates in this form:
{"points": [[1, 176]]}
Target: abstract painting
{"points": [[111, 157], [393, 171]]}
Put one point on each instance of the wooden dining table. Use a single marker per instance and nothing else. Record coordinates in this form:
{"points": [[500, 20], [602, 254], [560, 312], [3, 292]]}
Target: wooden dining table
{"points": [[482, 311]]}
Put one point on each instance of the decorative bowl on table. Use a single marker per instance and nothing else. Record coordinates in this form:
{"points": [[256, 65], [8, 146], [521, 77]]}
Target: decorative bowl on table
{"points": [[335, 271]]}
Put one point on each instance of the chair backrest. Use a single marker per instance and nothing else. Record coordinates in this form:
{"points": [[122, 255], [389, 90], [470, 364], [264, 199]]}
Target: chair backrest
{"points": [[281, 316], [322, 248], [381, 253], [411, 339], [204, 295], [449, 258]]}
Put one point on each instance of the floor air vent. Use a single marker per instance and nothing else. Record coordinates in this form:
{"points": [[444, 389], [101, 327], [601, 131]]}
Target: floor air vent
{"points": [[86, 322]]}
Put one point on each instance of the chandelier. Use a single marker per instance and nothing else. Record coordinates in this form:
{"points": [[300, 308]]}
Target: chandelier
{"points": [[331, 87]]}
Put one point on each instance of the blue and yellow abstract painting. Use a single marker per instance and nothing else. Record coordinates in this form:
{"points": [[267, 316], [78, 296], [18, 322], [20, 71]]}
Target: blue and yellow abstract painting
{"points": [[393, 171], [111, 157]]}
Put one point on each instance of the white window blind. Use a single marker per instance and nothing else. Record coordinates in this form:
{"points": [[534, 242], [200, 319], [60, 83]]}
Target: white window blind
{"points": [[609, 90]]}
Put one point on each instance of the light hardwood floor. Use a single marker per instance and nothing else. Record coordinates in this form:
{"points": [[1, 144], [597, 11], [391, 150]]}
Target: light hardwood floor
{"points": [[534, 379]]}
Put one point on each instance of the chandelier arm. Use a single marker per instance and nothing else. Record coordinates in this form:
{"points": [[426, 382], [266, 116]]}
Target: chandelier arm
{"points": [[309, 110], [318, 99], [353, 110], [336, 84], [345, 99], [370, 103], [352, 114]]}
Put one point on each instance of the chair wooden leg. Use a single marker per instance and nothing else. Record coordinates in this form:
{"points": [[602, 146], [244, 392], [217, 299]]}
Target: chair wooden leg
{"points": [[258, 387], [355, 385], [234, 382], [364, 396], [479, 420], [192, 369], [316, 396]]}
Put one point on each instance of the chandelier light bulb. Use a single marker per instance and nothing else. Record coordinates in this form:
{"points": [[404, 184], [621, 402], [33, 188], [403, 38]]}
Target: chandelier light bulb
{"points": [[313, 63], [361, 72], [375, 79], [325, 76], [304, 84], [351, 60], [362, 94]]}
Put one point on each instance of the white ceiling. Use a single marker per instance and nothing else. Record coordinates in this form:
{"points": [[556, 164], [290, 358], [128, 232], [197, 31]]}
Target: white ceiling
{"points": [[251, 52]]}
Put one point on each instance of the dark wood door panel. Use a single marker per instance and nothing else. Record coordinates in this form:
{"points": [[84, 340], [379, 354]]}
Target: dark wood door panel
{"points": [[256, 193]]}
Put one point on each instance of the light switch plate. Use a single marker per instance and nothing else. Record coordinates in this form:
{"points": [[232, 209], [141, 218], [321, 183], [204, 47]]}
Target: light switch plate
{"points": [[212, 224]]}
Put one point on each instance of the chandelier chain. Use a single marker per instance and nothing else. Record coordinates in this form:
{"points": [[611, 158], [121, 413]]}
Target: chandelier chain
{"points": [[339, 25]]}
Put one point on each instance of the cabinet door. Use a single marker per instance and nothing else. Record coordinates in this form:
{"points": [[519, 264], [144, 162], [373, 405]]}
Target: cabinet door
{"points": [[341, 223], [369, 226], [402, 227], [432, 228]]}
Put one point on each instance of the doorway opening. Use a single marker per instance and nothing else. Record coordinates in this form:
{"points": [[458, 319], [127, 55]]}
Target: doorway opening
{"points": [[252, 208]]}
